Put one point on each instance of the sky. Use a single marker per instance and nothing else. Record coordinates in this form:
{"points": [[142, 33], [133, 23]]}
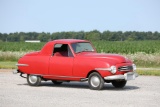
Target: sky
{"points": [[79, 15]]}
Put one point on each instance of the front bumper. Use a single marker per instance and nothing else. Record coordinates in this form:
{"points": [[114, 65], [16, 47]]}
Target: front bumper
{"points": [[126, 76]]}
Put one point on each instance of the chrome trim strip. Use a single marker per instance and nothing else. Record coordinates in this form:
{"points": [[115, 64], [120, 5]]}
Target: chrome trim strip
{"points": [[125, 68], [58, 76], [104, 69], [84, 79], [22, 65], [119, 77], [63, 76], [114, 77]]}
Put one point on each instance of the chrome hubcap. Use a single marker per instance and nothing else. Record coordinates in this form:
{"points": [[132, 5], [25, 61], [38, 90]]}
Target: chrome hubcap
{"points": [[95, 81], [33, 79]]}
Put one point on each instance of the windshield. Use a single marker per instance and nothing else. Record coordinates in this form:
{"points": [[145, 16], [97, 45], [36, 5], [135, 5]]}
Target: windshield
{"points": [[82, 47]]}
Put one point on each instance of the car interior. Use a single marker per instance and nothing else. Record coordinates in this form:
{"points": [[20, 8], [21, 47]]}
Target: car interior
{"points": [[62, 50]]}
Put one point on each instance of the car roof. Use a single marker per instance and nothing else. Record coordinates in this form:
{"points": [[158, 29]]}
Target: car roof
{"points": [[49, 46], [68, 40]]}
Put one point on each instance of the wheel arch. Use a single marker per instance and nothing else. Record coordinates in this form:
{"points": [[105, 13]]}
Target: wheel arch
{"points": [[90, 72]]}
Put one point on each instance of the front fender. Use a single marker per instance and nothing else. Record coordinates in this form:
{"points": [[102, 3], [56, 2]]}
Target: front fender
{"points": [[82, 67]]}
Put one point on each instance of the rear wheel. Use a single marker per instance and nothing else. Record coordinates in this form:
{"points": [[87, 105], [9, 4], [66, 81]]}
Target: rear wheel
{"points": [[33, 80], [119, 83], [56, 82], [95, 81]]}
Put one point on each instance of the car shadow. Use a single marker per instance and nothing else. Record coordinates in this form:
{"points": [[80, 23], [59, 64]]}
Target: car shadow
{"points": [[78, 85], [84, 85], [110, 87]]}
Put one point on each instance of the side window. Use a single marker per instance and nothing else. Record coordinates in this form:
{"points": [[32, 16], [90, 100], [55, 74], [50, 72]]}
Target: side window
{"points": [[62, 50]]}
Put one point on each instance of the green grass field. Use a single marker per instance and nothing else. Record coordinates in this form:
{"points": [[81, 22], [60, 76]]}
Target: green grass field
{"points": [[8, 65]]}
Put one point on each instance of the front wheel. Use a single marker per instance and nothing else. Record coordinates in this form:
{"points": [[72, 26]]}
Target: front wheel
{"points": [[33, 80], [119, 83], [95, 81]]}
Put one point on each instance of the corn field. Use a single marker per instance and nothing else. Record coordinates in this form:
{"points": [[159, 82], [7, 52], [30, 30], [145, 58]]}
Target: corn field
{"points": [[20, 46], [123, 47], [128, 47]]}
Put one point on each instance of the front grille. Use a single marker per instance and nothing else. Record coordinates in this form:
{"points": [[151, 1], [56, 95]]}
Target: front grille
{"points": [[125, 68]]}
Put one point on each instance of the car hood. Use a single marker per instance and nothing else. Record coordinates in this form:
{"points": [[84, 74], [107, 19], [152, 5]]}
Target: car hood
{"points": [[106, 57]]}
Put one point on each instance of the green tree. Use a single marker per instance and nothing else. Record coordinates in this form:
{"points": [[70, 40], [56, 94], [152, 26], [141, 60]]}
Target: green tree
{"points": [[93, 35]]}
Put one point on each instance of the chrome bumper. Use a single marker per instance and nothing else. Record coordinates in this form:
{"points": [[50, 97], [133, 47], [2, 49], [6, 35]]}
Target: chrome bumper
{"points": [[21, 73], [126, 76]]}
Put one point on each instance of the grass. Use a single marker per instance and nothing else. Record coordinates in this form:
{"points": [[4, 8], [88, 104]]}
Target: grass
{"points": [[140, 71], [144, 60], [10, 56], [8, 65], [150, 72]]}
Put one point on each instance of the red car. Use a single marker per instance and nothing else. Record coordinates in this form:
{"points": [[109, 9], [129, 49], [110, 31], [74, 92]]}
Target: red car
{"points": [[67, 60]]}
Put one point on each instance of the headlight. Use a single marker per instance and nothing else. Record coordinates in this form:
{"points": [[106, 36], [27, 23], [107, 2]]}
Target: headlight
{"points": [[113, 69], [134, 67]]}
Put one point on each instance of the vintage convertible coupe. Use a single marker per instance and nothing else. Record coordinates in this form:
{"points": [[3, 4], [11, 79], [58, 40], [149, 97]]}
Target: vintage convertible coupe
{"points": [[66, 60]]}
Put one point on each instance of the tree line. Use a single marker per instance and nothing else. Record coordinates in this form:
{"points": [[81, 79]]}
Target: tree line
{"points": [[91, 35]]}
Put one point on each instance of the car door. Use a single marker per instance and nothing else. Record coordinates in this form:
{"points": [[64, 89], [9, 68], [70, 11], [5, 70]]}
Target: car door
{"points": [[61, 63]]}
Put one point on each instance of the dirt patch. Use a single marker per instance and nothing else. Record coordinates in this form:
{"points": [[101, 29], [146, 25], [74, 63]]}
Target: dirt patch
{"points": [[6, 70]]}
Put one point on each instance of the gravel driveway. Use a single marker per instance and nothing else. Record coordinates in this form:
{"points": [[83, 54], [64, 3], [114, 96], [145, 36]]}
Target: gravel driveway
{"points": [[15, 92]]}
